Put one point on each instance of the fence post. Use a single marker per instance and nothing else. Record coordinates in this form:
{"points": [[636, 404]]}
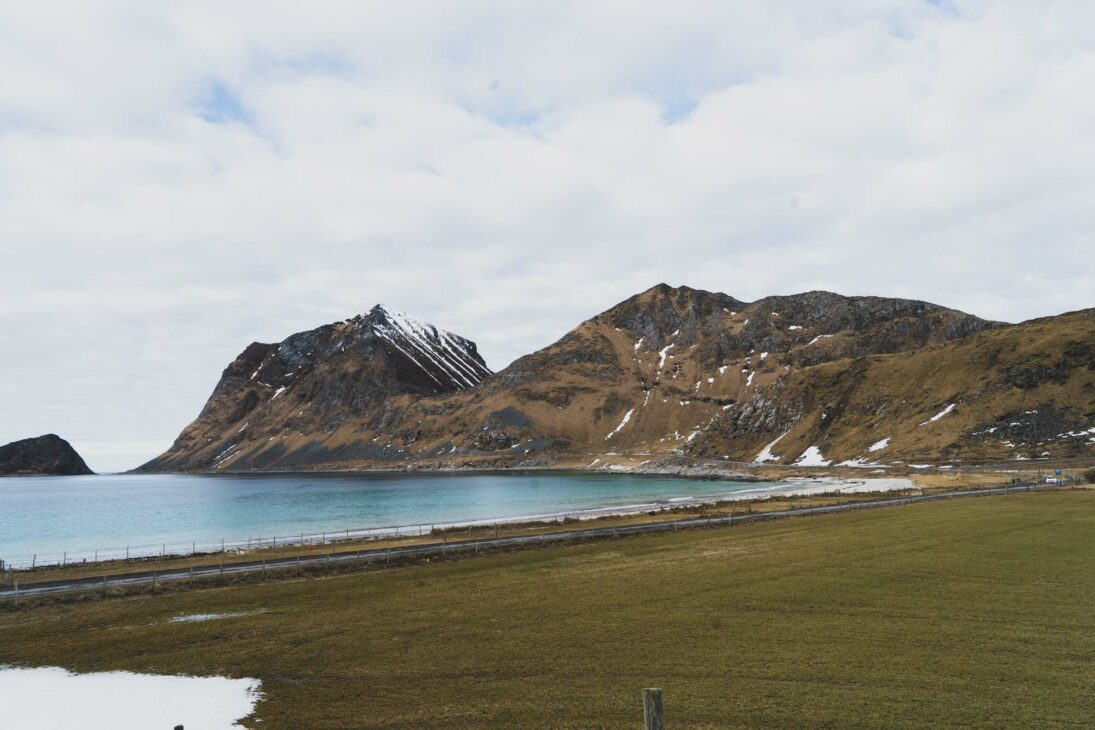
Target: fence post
{"points": [[652, 709]]}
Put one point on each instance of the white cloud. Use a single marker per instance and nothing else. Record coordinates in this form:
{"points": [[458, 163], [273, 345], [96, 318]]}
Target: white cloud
{"points": [[176, 181]]}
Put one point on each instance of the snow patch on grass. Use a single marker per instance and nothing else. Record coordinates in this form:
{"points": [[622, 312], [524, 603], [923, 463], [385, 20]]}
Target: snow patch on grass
{"points": [[766, 453], [812, 456], [937, 416], [627, 417], [46, 698]]}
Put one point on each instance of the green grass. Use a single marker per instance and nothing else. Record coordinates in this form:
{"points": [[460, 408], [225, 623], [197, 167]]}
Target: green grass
{"points": [[973, 612]]}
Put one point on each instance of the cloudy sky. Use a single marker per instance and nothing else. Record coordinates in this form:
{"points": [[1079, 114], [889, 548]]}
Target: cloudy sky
{"points": [[180, 179]]}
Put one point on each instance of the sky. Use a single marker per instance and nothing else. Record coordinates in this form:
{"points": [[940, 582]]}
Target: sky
{"points": [[178, 180]]}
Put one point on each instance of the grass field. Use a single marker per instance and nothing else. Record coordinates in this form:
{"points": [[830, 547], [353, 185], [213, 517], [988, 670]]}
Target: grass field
{"points": [[973, 612]]}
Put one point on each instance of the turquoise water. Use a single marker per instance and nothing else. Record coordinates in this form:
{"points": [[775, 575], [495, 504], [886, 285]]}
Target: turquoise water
{"points": [[47, 516]]}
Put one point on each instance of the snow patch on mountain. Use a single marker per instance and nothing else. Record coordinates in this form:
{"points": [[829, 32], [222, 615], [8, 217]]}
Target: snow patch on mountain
{"points": [[425, 345], [812, 456]]}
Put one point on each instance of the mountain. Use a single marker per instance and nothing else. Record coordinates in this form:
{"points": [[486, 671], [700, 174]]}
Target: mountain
{"points": [[48, 455], [277, 404], [813, 378]]}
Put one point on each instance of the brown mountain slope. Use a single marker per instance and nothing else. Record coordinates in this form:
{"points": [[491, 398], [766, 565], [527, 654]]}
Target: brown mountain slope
{"points": [[671, 370], [291, 397], [664, 370]]}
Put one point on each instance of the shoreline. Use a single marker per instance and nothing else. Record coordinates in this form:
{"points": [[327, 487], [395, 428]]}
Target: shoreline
{"points": [[777, 488]]}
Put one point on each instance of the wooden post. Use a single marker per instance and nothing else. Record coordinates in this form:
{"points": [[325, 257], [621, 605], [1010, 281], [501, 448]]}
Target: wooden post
{"points": [[652, 709]]}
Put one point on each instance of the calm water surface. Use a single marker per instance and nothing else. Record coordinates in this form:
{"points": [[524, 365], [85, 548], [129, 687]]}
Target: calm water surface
{"points": [[44, 516]]}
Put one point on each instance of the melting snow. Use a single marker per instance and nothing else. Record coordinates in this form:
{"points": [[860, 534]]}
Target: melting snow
{"points": [[879, 445], [794, 327], [816, 339], [627, 417], [639, 343], [662, 354], [749, 380], [766, 453], [812, 456], [51, 697], [939, 415]]}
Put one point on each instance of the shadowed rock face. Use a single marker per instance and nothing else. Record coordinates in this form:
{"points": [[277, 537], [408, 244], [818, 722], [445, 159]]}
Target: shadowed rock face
{"points": [[671, 370], [48, 455]]}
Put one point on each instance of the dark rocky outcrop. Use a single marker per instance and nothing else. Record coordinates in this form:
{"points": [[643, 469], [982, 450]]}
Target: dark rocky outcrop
{"points": [[48, 455]]}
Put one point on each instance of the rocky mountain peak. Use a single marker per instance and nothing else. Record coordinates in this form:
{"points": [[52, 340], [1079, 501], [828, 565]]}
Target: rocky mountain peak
{"points": [[451, 361], [319, 380]]}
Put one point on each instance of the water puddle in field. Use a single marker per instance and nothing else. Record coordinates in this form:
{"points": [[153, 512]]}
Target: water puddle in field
{"points": [[195, 618], [47, 698]]}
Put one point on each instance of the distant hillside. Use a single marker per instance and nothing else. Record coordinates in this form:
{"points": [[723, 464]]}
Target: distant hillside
{"points": [[48, 455], [814, 378]]}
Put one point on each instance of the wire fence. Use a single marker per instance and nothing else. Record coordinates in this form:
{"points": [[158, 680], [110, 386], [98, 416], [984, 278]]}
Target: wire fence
{"points": [[149, 551]]}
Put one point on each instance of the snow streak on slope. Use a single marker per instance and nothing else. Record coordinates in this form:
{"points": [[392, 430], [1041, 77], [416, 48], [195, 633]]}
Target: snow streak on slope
{"points": [[442, 355], [766, 453], [627, 417]]}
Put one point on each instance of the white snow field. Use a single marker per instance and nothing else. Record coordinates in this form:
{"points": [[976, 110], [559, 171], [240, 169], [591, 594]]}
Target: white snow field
{"points": [[51, 698]]}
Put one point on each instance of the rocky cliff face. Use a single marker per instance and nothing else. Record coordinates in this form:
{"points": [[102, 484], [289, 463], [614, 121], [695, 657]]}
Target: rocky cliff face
{"points": [[48, 455], [810, 378], [277, 399]]}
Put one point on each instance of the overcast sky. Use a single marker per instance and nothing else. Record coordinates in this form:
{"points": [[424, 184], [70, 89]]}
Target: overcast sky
{"points": [[180, 179]]}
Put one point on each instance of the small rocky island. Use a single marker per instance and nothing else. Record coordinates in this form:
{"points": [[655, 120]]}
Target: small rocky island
{"points": [[48, 455]]}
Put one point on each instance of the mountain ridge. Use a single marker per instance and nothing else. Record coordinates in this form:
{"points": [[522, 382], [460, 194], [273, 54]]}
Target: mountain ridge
{"points": [[680, 371]]}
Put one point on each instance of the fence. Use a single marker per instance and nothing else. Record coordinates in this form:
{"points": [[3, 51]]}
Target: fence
{"points": [[303, 539]]}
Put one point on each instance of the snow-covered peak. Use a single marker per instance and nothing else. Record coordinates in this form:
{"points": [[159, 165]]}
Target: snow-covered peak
{"points": [[447, 359]]}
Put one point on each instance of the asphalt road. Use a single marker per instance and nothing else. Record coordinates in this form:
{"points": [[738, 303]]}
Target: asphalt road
{"points": [[441, 549]]}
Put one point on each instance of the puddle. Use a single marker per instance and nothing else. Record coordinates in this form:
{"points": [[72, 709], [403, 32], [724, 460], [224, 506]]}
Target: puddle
{"points": [[191, 618], [49, 698]]}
